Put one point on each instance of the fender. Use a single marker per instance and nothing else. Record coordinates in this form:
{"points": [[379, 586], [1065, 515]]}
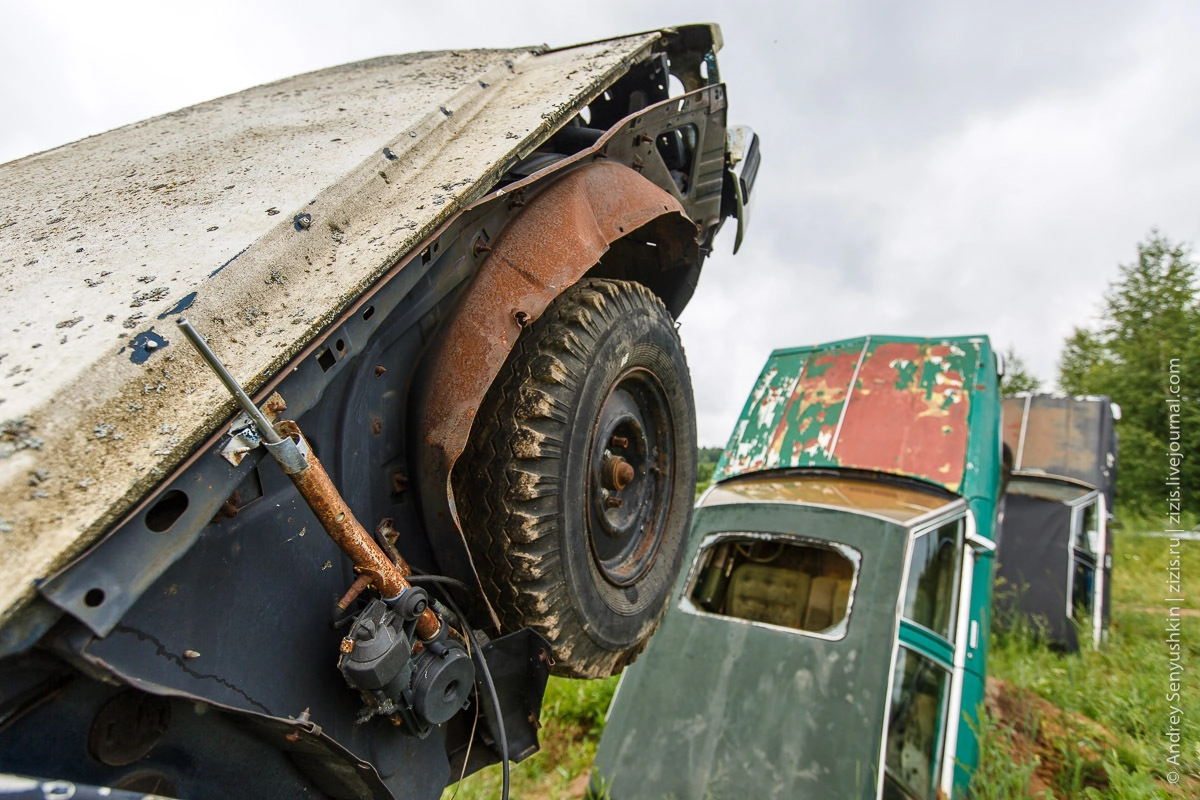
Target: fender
{"points": [[557, 239]]}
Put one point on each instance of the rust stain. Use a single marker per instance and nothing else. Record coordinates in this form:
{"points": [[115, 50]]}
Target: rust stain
{"points": [[557, 237], [1062, 435], [901, 503]]}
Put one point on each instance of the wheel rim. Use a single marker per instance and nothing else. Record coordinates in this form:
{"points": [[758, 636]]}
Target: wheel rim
{"points": [[629, 477]]}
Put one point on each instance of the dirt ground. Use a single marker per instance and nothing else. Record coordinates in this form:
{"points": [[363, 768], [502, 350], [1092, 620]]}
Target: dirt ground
{"points": [[1059, 740]]}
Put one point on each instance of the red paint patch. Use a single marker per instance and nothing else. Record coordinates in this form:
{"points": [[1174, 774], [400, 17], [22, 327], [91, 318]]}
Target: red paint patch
{"points": [[915, 430]]}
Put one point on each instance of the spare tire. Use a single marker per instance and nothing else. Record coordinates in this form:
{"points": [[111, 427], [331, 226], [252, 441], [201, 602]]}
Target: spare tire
{"points": [[576, 488]]}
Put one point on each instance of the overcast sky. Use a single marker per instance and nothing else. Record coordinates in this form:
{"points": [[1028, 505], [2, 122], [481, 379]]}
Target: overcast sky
{"points": [[928, 168]]}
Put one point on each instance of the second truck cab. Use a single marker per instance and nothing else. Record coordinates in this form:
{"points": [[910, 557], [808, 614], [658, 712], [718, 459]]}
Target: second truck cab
{"points": [[827, 636]]}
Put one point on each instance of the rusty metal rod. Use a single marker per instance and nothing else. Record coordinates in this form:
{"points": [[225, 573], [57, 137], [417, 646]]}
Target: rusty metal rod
{"points": [[286, 444], [317, 489], [353, 592]]}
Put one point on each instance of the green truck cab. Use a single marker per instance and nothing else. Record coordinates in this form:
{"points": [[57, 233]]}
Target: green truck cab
{"points": [[827, 635]]}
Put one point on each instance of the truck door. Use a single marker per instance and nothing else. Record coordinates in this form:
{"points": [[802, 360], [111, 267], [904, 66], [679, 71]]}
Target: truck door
{"points": [[1089, 565], [928, 675]]}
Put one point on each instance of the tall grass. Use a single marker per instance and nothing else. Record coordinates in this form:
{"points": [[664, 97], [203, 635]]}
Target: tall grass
{"points": [[1123, 686]]}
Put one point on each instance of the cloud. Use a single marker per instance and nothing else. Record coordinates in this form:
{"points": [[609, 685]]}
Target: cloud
{"points": [[941, 168]]}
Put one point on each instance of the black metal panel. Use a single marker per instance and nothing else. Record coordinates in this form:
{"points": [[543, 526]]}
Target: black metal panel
{"points": [[520, 667], [192, 756], [1032, 563]]}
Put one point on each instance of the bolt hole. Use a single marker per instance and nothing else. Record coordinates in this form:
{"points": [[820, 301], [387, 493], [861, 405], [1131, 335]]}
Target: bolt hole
{"points": [[93, 598], [167, 511], [451, 692], [368, 312], [340, 346]]}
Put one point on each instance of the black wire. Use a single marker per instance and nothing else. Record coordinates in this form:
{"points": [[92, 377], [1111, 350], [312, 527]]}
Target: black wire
{"points": [[481, 662], [420, 577], [417, 577]]}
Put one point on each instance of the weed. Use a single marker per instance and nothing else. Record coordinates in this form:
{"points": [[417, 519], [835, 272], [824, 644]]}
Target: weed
{"points": [[1003, 772]]}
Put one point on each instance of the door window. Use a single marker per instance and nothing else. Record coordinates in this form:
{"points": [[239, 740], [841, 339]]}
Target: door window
{"points": [[1084, 554], [1083, 589], [915, 731], [1088, 532], [931, 594]]}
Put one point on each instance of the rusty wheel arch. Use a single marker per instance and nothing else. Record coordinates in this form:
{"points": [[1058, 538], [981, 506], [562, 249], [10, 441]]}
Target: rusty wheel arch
{"points": [[600, 219]]}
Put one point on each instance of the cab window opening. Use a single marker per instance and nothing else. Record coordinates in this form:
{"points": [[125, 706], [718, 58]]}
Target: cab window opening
{"points": [[803, 586]]}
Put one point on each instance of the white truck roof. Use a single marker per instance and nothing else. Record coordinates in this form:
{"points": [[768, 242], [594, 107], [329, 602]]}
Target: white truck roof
{"points": [[105, 241]]}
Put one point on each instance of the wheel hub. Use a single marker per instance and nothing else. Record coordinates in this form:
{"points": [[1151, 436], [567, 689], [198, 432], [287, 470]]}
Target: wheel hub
{"points": [[631, 456]]}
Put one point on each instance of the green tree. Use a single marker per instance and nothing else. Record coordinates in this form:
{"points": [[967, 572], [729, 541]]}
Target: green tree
{"points": [[1148, 338], [1083, 363], [1017, 377]]}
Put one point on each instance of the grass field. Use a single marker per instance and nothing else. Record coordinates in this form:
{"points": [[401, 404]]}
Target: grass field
{"points": [[1097, 724], [572, 718], [1090, 725]]}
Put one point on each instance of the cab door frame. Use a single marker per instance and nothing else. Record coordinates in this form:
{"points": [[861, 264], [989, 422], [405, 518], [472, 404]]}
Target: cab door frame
{"points": [[967, 631], [1078, 506]]}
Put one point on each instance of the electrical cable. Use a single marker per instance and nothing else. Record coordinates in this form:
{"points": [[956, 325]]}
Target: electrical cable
{"points": [[470, 742], [481, 662]]}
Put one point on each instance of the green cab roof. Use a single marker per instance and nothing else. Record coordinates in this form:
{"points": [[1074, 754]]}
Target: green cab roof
{"points": [[897, 405]]}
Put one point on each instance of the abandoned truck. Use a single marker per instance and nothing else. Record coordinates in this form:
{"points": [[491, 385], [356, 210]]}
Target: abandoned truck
{"points": [[459, 454], [1054, 563], [828, 636]]}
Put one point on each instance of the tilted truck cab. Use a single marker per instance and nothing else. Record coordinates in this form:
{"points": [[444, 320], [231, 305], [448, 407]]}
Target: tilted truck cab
{"points": [[1054, 563], [828, 637], [446, 284]]}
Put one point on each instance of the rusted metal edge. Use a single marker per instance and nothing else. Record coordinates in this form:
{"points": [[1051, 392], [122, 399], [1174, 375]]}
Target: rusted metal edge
{"points": [[547, 248]]}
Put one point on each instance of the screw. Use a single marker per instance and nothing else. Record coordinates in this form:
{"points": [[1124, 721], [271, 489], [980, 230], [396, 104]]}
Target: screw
{"points": [[613, 502], [619, 441]]}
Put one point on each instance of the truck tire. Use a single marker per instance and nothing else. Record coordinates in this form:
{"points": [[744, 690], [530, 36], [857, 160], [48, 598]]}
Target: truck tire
{"points": [[576, 488]]}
